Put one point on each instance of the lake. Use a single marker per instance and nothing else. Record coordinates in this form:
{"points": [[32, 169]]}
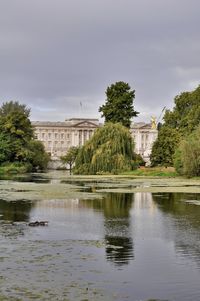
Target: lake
{"points": [[106, 239]]}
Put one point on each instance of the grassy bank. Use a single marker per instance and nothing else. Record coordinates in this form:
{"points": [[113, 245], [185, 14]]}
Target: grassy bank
{"points": [[15, 168], [153, 172]]}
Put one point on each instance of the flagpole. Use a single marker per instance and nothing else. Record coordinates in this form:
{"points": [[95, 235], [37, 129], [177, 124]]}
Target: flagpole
{"points": [[81, 109]]}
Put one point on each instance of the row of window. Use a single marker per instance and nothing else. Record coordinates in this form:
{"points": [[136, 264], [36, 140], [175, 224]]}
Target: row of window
{"points": [[143, 137], [53, 130], [57, 143], [44, 136]]}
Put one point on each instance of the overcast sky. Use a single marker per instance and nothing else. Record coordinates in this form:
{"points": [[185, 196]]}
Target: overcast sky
{"points": [[56, 54]]}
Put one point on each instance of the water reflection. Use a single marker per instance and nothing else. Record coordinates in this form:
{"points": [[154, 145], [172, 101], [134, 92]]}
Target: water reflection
{"points": [[36, 178], [139, 245], [115, 208], [184, 222], [119, 219], [118, 236], [15, 211]]}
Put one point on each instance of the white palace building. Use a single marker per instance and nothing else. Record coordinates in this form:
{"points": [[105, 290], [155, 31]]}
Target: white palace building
{"points": [[58, 137]]}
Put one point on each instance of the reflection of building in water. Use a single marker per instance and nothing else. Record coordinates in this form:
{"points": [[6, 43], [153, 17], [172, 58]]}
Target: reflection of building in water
{"points": [[58, 203], [144, 200], [118, 236]]}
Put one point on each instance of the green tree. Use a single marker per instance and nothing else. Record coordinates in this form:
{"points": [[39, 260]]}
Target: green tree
{"points": [[165, 146], [70, 157], [109, 150], [17, 141], [185, 115], [37, 156], [187, 155], [5, 148], [119, 104], [178, 123], [16, 126], [14, 120]]}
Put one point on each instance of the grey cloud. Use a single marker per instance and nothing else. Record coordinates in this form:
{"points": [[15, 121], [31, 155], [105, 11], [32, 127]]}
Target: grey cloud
{"points": [[55, 53]]}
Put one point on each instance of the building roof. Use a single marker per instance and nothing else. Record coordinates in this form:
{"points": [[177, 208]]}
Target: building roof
{"points": [[73, 122], [141, 125]]}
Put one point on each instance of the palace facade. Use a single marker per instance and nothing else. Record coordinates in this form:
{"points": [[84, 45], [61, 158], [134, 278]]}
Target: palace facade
{"points": [[144, 135], [58, 137]]}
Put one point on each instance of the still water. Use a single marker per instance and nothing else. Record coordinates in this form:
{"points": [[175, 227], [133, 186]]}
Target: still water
{"points": [[123, 246]]}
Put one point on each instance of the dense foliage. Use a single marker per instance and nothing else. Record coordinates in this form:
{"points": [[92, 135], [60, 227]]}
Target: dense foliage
{"points": [[178, 123], [164, 147], [110, 150], [119, 104], [17, 141], [187, 155]]}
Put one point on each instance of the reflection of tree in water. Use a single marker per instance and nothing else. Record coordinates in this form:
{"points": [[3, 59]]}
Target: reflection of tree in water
{"points": [[184, 213], [15, 211], [180, 205], [116, 208], [119, 244], [119, 250]]}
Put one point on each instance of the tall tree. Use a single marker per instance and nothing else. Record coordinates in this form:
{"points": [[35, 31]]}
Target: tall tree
{"points": [[119, 104], [14, 120], [178, 123], [185, 116], [164, 147], [17, 141], [16, 126]]}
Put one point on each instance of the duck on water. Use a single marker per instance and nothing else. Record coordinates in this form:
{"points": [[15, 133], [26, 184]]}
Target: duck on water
{"points": [[38, 223]]}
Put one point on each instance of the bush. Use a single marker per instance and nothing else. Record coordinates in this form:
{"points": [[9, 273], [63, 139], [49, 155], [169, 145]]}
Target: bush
{"points": [[15, 168], [187, 156]]}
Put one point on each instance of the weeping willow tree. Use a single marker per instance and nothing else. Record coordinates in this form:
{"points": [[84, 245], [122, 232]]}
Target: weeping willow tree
{"points": [[110, 150]]}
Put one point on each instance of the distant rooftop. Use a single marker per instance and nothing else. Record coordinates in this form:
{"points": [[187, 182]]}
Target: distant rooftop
{"points": [[75, 121], [68, 122], [139, 125]]}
